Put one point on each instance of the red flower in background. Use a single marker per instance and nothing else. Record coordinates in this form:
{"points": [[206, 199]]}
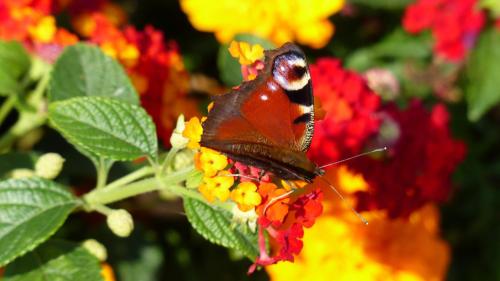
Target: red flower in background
{"points": [[454, 24], [418, 166], [351, 112]]}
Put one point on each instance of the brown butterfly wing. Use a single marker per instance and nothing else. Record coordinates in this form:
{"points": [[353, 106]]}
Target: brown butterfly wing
{"points": [[262, 123]]}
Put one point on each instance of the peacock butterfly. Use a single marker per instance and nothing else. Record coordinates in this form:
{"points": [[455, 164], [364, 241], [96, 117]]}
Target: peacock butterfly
{"points": [[268, 122]]}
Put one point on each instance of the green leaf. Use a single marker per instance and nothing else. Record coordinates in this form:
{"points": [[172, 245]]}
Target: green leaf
{"points": [[215, 225], [229, 67], [84, 70], [383, 4], [13, 58], [398, 45], [482, 91], [31, 210], [106, 127], [14, 62], [55, 260]]}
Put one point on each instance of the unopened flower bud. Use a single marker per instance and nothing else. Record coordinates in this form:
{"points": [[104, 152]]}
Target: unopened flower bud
{"points": [[95, 248], [177, 140], [183, 159], [49, 165], [249, 217], [120, 222], [22, 173]]}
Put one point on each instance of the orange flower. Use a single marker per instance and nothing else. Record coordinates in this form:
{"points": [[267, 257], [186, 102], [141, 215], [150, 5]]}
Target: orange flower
{"points": [[107, 272], [246, 196], [403, 250], [193, 132], [279, 209], [210, 161], [217, 187], [247, 54]]}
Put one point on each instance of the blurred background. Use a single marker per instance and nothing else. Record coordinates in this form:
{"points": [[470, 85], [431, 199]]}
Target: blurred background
{"points": [[418, 76]]}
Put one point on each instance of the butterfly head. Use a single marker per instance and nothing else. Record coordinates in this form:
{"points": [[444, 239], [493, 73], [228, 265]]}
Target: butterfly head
{"points": [[290, 70]]}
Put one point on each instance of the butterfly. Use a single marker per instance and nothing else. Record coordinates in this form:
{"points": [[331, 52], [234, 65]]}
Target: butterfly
{"points": [[268, 122]]}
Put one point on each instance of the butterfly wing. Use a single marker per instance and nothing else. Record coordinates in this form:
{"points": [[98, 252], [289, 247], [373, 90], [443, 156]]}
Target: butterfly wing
{"points": [[268, 122]]}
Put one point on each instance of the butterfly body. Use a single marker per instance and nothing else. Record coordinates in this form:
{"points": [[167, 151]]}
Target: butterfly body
{"points": [[268, 122]]}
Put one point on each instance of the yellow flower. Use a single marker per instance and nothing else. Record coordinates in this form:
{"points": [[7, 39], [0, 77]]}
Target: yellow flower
{"points": [[44, 30], [304, 21], [247, 54], [246, 196], [193, 132], [107, 272], [210, 161], [217, 187], [401, 250]]}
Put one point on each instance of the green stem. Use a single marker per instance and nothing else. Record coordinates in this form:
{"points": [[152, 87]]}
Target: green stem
{"points": [[102, 173], [142, 172], [108, 195], [27, 120], [7, 106], [168, 160]]}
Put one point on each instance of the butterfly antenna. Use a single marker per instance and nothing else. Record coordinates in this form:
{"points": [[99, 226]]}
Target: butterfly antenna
{"points": [[355, 156], [276, 199], [242, 176], [363, 219]]}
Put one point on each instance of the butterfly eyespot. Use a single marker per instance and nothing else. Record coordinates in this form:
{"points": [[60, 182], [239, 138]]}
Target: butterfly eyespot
{"points": [[290, 71]]}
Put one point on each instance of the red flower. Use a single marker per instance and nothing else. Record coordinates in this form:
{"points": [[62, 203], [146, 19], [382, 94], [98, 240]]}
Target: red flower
{"points": [[350, 108], [418, 166], [454, 24]]}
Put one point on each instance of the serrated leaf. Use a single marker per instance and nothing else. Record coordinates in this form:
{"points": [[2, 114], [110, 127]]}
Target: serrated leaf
{"points": [[106, 127], [215, 225], [229, 67], [31, 210], [84, 70], [55, 260], [482, 90]]}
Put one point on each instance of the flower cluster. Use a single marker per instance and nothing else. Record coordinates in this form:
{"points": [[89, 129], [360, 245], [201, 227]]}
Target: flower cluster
{"points": [[454, 24], [279, 21], [154, 65], [419, 164], [32, 23], [339, 245], [351, 112]]}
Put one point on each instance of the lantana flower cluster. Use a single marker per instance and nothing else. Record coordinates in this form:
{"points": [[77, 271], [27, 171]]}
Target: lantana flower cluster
{"points": [[455, 24], [282, 209], [154, 65], [281, 21]]}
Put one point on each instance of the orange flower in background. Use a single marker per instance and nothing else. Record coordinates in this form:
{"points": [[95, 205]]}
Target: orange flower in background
{"points": [[303, 21], [340, 245]]}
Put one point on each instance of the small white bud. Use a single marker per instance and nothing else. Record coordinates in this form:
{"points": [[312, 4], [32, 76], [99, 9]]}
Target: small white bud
{"points": [[49, 165], [120, 222], [177, 140], [249, 217], [95, 248], [22, 173]]}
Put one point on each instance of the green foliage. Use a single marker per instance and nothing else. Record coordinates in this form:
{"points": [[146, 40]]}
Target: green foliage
{"points": [[31, 210], [398, 45], [229, 67], [105, 127], [383, 4], [55, 260], [14, 63], [483, 70], [84, 70], [215, 225]]}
